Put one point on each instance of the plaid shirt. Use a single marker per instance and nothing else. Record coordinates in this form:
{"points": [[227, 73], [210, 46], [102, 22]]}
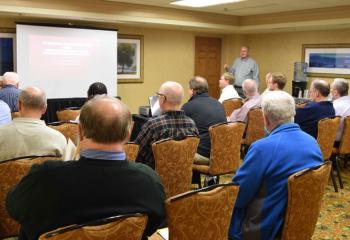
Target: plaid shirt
{"points": [[172, 124]]}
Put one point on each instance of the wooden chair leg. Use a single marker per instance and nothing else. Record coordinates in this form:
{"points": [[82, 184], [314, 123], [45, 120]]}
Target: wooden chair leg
{"points": [[333, 180], [338, 172]]}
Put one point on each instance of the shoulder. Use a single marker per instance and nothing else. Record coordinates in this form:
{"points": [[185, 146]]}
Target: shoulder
{"points": [[54, 133], [144, 170], [51, 165]]}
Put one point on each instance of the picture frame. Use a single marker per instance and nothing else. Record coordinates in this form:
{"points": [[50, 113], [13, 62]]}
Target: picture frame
{"points": [[327, 60], [130, 58], [7, 51]]}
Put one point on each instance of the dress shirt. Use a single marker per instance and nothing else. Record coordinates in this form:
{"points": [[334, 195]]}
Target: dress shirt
{"points": [[244, 69], [5, 113], [9, 94], [241, 113], [342, 109], [103, 155], [228, 92]]}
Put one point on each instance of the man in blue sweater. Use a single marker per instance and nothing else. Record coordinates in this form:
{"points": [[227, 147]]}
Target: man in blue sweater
{"points": [[262, 198]]}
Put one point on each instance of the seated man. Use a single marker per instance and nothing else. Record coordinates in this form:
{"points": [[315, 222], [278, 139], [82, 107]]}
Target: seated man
{"points": [[101, 184], [262, 178], [341, 103], [308, 116], [28, 135], [205, 112], [226, 85], [276, 82], [9, 91], [253, 100], [5, 113], [173, 123]]}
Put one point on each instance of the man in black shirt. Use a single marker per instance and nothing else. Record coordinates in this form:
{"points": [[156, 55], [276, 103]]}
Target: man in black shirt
{"points": [[205, 112]]}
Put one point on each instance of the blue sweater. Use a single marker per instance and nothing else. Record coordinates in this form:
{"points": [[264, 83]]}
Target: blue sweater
{"points": [[308, 117], [262, 198]]}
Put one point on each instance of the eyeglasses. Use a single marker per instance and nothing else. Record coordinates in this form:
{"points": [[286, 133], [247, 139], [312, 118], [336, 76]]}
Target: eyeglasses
{"points": [[161, 94]]}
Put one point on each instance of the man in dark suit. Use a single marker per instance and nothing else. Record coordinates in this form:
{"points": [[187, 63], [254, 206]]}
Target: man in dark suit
{"points": [[101, 184]]}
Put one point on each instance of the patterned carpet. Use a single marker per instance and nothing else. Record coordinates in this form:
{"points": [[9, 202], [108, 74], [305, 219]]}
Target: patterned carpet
{"points": [[334, 220]]}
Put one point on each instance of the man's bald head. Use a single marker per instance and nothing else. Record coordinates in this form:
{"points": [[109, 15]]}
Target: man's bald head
{"points": [[198, 84], [173, 92], [321, 86], [249, 87], [105, 119], [32, 98]]}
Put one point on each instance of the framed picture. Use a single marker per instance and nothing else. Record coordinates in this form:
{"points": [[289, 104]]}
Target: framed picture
{"points": [[130, 59], [7, 52], [327, 60]]}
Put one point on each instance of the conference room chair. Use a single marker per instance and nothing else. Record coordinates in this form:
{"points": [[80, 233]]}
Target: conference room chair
{"points": [[327, 132], [255, 128], [121, 227], [231, 104], [173, 163], [343, 150], [68, 129], [15, 115], [11, 172], [225, 149], [201, 214], [305, 194], [131, 150], [68, 114]]}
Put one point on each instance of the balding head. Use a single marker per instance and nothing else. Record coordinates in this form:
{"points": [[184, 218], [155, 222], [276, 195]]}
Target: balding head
{"points": [[198, 85], [32, 98], [249, 88], [10, 78], [105, 120], [173, 92], [319, 90]]}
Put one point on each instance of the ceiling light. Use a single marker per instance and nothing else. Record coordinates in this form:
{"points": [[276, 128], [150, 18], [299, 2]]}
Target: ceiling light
{"points": [[203, 3]]}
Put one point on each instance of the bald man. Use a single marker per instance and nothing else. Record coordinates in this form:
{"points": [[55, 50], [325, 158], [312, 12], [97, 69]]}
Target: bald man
{"points": [[28, 135], [173, 123], [101, 184], [9, 91], [253, 100]]}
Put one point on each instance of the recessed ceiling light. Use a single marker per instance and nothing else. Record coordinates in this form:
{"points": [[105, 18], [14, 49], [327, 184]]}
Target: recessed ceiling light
{"points": [[203, 3]]}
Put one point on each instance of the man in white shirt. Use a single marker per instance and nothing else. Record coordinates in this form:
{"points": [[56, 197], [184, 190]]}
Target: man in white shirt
{"points": [[5, 113], [275, 82], [28, 135], [341, 103], [226, 85]]}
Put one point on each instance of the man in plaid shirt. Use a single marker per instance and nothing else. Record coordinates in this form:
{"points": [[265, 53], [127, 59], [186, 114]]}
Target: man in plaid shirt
{"points": [[173, 123]]}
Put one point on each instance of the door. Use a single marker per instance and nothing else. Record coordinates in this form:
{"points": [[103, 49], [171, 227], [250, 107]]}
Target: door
{"points": [[208, 62]]}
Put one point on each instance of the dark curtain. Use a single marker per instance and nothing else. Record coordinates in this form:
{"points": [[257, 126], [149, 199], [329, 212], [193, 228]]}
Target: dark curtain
{"points": [[54, 105]]}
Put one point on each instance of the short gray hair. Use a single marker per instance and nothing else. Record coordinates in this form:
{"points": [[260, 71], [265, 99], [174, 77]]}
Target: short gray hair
{"points": [[173, 92], [33, 98], [341, 85], [11, 78], [278, 107], [249, 86]]}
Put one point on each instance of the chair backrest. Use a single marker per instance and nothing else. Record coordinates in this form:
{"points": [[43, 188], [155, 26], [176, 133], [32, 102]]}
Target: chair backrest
{"points": [[173, 163], [305, 193], [67, 115], [128, 226], [68, 129], [131, 149], [344, 147], [327, 132], [11, 172], [15, 115], [201, 214], [255, 126], [231, 104], [225, 147]]}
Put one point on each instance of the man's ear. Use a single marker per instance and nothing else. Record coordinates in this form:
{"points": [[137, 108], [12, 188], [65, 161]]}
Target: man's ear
{"points": [[80, 132], [266, 121], [43, 110]]}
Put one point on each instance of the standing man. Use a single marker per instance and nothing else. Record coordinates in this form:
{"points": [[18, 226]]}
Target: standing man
{"points": [[244, 68]]}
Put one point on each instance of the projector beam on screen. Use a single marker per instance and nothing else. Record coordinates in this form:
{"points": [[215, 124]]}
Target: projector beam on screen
{"points": [[64, 61]]}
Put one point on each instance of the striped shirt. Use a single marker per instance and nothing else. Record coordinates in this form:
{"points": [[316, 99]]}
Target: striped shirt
{"points": [[172, 124], [9, 94]]}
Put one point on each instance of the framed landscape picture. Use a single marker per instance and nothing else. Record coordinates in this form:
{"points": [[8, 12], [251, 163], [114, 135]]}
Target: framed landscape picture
{"points": [[327, 60], [130, 59]]}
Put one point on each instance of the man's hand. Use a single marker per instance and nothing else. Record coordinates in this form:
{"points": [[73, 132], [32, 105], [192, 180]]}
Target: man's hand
{"points": [[226, 67]]}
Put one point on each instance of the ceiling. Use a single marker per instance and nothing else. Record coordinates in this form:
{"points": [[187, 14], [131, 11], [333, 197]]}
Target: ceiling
{"points": [[248, 7]]}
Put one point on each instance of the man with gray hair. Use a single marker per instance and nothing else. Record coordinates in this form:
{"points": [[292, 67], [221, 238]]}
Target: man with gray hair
{"points": [[28, 135], [341, 102], [101, 184], [173, 123], [9, 91], [253, 100], [260, 206]]}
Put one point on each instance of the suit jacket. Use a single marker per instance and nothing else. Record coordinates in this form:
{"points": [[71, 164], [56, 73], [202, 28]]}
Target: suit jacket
{"points": [[57, 193]]}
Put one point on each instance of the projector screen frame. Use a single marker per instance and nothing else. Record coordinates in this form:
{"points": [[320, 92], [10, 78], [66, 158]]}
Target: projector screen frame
{"points": [[67, 25]]}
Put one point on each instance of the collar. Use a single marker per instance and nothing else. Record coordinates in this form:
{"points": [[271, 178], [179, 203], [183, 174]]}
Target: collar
{"points": [[9, 86], [227, 88], [174, 113], [28, 120], [284, 126], [199, 95], [103, 155]]}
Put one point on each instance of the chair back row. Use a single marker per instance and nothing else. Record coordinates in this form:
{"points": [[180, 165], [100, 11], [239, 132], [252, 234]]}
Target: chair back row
{"points": [[344, 146], [231, 105]]}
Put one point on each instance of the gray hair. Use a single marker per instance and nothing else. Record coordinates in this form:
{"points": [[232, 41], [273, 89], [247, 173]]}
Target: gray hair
{"points": [[173, 92], [341, 85], [321, 86], [249, 86], [33, 98], [278, 107], [199, 84], [10, 78]]}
